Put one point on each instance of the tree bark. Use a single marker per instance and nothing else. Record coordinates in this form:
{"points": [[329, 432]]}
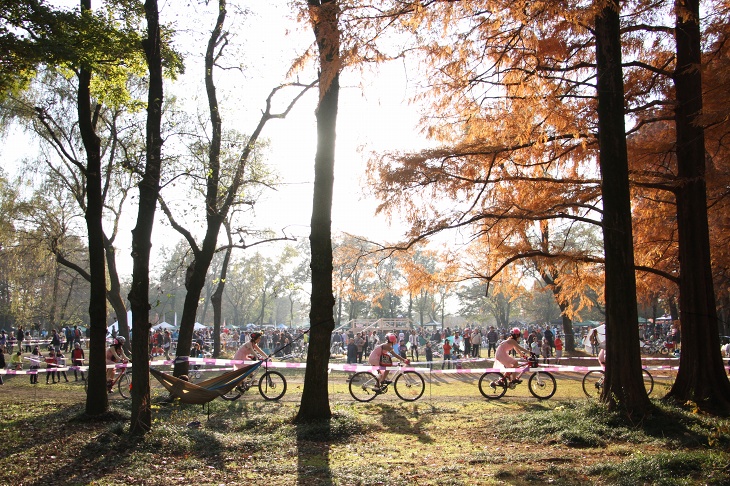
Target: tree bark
{"points": [[314, 404], [701, 377], [97, 401], [149, 190], [624, 387]]}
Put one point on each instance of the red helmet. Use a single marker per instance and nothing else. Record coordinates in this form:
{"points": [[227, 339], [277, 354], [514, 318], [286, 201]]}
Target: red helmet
{"points": [[516, 332], [392, 338]]}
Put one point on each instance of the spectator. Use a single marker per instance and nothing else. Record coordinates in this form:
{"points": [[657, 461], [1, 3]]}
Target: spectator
{"points": [[360, 346], [492, 338], [61, 363], [403, 350], [413, 340], [447, 354], [351, 351], [77, 359], [16, 362], [476, 343], [35, 364], [51, 366], [548, 334], [558, 347], [429, 355], [2, 362], [545, 349], [27, 338], [19, 334], [55, 340]]}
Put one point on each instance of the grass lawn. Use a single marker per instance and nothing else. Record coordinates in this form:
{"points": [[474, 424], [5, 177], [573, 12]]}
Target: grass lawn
{"points": [[451, 436]]}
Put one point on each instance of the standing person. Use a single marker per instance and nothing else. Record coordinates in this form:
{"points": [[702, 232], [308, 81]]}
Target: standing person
{"points": [[413, 339], [545, 349], [558, 347], [360, 346], [19, 334], [467, 342], [2, 362], [502, 359], [374, 341], [55, 340], [429, 355], [403, 350], [166, 343], [77, 359], [593, 339], [77, 335], [61, 363], [492, 338], [548, 334], [27, 340], [447, 353], [476, 343], [35, 364], [51, 366], [351, 351]]}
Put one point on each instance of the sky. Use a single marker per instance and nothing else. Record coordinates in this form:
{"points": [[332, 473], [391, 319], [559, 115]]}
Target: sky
{"points": [[374, 114]]}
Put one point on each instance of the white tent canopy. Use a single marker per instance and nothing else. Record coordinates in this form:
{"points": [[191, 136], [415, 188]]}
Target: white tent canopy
{"points": [[198, 326], [162, 326], [601, 336], [116, 323]]}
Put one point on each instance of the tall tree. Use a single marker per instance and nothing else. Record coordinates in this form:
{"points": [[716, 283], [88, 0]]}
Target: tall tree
{"points": [[324, 18], [149, 190], [624, 388], [701, 376]]}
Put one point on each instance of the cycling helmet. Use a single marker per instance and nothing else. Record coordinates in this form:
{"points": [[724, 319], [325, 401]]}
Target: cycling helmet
{"points": [[77, 345], [516, 332], [392, 338], [255, 335], [119, 341]]}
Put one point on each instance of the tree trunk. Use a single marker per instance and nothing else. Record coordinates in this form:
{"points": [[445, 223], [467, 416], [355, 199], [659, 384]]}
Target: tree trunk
{"points": [[97, 401], [701, 377], [315, 398], [217, 297], [624, 384], [114, 294], [149, 190]]}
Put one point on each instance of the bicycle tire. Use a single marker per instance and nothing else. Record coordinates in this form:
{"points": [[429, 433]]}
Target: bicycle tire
{"points": [[272, 385], [409, 386], [492, 378], [124, 384], [362, 386], [648, 381], [593, 383], [542, 385]]}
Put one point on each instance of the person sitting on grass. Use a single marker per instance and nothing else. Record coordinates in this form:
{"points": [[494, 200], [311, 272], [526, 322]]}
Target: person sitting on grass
{"points": [[382, 355], [502, 359]]}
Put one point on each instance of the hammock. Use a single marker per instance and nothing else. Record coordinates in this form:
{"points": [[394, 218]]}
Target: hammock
{"points": [[204, 391]]}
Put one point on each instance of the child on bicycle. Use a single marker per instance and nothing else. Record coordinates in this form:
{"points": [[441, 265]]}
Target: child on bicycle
{"points": [[382, 355], [250, 350], [502, 359], [114, 355]]}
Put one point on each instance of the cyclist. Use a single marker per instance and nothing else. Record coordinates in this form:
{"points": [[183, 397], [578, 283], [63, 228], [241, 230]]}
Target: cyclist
{"points": [[250, 350], [382, 355], [502, 359], [114, 354]]}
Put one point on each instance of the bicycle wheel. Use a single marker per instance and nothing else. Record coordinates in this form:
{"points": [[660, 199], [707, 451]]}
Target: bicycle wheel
{"points": [[234, 394], [125, 385], [593, 383], [648, 381], [363, 385], [409, 386], [492, 385], [272, 385], [542, 385]]}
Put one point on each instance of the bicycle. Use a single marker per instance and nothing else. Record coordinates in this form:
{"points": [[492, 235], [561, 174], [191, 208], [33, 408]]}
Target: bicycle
{"points": [[123, 380], [408, 385], [542, 385], [593, 383], [272, 385]]}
